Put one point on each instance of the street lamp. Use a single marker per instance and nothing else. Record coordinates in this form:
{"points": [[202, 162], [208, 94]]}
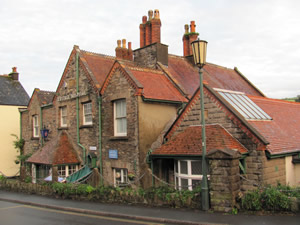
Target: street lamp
{"points": [[199, 52]]}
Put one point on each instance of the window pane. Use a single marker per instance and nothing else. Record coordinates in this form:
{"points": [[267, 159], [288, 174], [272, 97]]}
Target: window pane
{"points": [[184, 184], [120, 108], [196, 167], [176, 166], [183, 167]]}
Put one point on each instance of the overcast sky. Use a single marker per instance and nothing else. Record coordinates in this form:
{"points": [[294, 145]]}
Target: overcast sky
{"points": [[260, 38]]}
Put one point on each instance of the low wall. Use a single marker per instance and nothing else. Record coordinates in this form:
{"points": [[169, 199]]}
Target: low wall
{"points": [[150, 197]]}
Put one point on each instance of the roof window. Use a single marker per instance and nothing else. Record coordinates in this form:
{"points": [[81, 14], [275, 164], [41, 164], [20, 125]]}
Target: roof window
{"points": [[244, 105]]}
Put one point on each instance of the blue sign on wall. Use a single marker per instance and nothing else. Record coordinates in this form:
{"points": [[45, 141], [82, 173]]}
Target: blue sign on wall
{"points": [[113, 154]]}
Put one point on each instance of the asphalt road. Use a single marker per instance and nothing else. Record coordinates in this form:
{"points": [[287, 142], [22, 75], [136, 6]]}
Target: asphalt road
{"points": [[18, 214]]}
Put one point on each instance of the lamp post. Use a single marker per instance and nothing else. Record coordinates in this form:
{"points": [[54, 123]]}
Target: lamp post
{"points": [[199, 52]]}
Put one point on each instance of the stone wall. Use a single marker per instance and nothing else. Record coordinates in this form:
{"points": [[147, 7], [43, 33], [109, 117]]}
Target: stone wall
{"points": [[148, 56], [225, 181], [216, 113], [274, 171], [88, 134], [65, 96], [127, 147]]}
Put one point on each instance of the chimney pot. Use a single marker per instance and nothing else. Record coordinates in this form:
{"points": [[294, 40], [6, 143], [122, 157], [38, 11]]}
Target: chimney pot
{"points": [[119, 43], [156, 14], [144, 19], [123, 43], [129, 45], [186, 28], [14, 74], [150, 14], [193, 27]]}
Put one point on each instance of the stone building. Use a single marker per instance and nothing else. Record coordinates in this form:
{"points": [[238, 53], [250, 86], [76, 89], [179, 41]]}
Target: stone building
{"points": [[260, 146], [112, 112]]}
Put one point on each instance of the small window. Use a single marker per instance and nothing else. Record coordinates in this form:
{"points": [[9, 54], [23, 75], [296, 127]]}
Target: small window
{"points": [[61, 171], [120, 177], [120, 123], [72, 169], [63, 116], [87, 114], [188, 174], [35, 125]]}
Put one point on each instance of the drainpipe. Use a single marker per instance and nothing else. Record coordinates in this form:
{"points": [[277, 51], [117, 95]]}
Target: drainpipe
{"points": [[41, 126], [77, 110], [20, 125], [100, 139]]}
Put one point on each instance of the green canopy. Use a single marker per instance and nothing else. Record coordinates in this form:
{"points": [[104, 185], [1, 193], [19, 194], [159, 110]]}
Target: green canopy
{"points": [[79, 175]]}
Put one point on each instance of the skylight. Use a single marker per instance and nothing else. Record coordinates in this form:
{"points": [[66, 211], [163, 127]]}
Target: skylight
{"points": [[244, 105]]}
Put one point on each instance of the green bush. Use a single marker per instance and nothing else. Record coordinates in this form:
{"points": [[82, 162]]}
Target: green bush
{"points": [[269, 198], [2, 178]]}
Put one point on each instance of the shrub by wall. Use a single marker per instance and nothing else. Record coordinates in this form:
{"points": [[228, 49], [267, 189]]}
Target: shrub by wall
{"points": [[154, 196], [270, 198]]}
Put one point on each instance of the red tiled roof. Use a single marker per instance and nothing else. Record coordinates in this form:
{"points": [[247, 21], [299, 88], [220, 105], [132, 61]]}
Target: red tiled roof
{"points": [[100, 65], [283, 131], [58, 151], [186, 76], [156, 85], [189, 142]]}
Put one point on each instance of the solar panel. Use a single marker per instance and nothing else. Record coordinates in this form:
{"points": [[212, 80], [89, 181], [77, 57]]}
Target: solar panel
{"points": [[244, 105]]}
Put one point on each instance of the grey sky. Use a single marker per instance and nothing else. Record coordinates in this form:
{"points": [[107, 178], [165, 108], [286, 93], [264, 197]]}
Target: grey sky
{"points": [[261, 38]]}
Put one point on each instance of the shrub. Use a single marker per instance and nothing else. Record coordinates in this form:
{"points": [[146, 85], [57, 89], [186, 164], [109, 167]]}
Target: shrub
{"points": [[268, 198]]}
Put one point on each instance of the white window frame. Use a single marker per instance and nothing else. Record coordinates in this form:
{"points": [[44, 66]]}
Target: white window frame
{"points": [[66, 170], [71, 169], [63, 116], [87, 112], [120, 118], [189, 176], [62, 171], [35, 126], [120, 176]]}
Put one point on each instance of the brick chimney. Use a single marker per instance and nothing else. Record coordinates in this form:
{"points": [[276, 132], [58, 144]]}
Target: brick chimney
{"points": [[150, 29], [123, 52], [14, 74], [188, 38]]}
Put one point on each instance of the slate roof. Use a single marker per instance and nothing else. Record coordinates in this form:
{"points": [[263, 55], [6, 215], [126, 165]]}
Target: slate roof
{"points": [[283, 131], [186, 76], [12, 92], [45, 97], [58, 151], [189, 142]]}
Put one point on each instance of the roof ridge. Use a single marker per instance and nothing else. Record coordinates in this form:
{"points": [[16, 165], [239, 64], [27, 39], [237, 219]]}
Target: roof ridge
{"points": [[47, 91], [223, 67], [143, 69], [273, 100], [98, 54]]}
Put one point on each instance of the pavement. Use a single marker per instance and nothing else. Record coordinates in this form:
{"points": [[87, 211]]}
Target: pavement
{"points": [[158, 215]]}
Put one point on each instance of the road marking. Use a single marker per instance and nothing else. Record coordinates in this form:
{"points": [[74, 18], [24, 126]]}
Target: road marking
{"points": [[12, 207], [93, 216]]}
